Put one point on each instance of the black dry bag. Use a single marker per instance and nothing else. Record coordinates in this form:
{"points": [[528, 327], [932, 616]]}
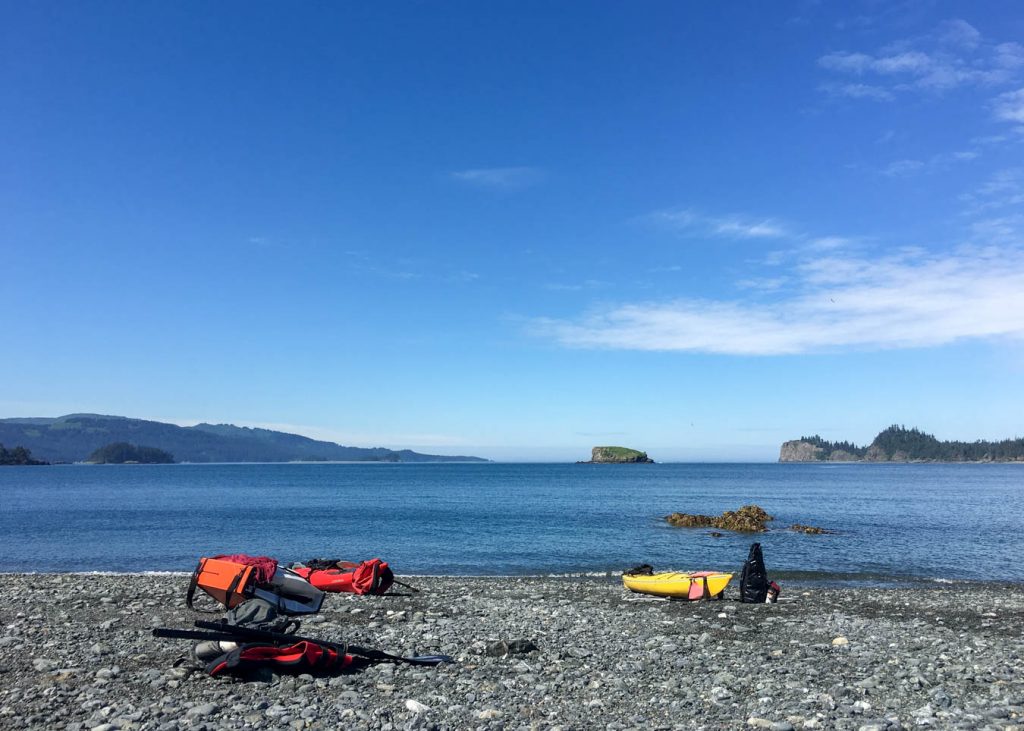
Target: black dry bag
{"points": [[754, 579]]}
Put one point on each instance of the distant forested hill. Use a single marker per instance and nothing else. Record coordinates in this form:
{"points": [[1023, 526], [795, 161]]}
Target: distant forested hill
{"points": [[899, 444], [74, 437]]}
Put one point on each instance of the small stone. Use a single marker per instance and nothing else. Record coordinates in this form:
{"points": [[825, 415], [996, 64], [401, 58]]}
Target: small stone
{"points": [[207, 709], [497, 649], [488, 713], [840, 641], [42, 665], [416, 706], [521, 647]]}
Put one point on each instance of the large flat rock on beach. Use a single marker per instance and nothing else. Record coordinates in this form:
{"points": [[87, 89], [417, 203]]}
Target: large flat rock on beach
{"points": [[76, 652]]}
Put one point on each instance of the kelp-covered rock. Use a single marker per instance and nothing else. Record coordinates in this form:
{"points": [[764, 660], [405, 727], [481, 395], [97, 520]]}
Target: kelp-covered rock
{"points": [[809, 529], [748, 519]]}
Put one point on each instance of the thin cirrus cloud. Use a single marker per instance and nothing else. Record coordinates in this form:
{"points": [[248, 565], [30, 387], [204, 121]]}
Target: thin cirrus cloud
{"points": [[907, 301], [1003, 190], [941, 161], [954, 54], [499, 178], [737, 227], [1009, 107]]}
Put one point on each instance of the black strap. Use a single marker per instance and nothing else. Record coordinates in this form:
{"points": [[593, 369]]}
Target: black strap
{"points": [[192, 584], [234, 585]]}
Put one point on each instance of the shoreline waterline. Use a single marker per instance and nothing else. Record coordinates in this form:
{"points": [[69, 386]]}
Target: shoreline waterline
{"points": [[801, 581]]}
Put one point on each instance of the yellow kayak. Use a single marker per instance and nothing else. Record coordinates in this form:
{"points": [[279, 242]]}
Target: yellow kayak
{"points": [[693, 586]]}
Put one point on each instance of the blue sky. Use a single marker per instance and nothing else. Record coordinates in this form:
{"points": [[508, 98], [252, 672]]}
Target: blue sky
{"points": [[517, 229]]}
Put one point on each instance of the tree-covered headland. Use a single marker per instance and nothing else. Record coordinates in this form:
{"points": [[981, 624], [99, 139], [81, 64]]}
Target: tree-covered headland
{"points": [[900, 444], [17, 456]]}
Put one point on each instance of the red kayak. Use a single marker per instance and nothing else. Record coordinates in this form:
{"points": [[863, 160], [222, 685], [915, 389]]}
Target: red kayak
{"points": [[369, 577]]}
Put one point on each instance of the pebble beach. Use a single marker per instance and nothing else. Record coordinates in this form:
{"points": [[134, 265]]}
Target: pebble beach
{"points": [[531, 653]]}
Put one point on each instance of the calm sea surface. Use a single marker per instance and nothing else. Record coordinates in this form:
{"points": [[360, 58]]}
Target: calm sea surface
{"points": [[892, 522]]}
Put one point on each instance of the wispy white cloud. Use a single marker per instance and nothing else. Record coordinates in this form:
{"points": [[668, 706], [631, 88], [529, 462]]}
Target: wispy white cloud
{"points": [[575, 287], [829, 243], [859, 91], [734, 226], [1003, 189], [941, 161], [462, 277], [999, 230], [1009, 107], [503, 178], [899, 168], [954, 54], [763, 284], [958, 32], [910, 300]]}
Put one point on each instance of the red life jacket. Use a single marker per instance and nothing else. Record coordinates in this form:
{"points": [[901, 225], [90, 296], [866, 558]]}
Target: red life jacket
{"points": [[302, 657], [369, 577]]}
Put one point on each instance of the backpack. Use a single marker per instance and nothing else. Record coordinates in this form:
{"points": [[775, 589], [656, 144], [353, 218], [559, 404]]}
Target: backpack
{"points": [[754, 577], [232, 580]]}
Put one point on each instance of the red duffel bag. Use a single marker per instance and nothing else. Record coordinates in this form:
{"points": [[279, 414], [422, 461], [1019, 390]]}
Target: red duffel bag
{"points": [[368, 577]]}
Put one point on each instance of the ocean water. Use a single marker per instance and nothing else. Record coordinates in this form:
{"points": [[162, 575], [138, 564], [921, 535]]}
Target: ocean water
{"points": [[892, 523]]}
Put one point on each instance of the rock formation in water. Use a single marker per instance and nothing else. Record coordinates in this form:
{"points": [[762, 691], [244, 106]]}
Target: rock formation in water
{"points": [[617, 455], [748, 519]]}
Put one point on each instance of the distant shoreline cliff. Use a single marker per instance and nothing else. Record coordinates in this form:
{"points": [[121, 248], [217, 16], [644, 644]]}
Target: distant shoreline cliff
{"points": [[899, 444]]}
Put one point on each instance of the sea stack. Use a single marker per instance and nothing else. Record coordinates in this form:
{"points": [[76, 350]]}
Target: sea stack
{"points": [[617, 455]]}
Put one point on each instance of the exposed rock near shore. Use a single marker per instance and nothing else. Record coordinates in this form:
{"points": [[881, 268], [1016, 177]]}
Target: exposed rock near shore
{"points": [[748, 519], [617, 455], [576, 653], [809, 529]]}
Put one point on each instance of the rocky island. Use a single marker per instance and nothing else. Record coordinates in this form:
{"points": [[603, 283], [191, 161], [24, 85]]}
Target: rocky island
{"points": [[617, 455], [899, 444]]}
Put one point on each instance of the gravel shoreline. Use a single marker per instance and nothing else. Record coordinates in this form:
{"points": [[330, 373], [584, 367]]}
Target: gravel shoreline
{"points": [[77, 653]]}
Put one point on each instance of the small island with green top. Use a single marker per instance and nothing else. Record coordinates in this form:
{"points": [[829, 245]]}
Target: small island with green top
{"points": [[125, 453], [617, 455]]}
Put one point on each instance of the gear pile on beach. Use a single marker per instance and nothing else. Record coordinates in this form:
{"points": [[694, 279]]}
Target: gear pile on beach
{"points": [[258, 633], [263, 600]]}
